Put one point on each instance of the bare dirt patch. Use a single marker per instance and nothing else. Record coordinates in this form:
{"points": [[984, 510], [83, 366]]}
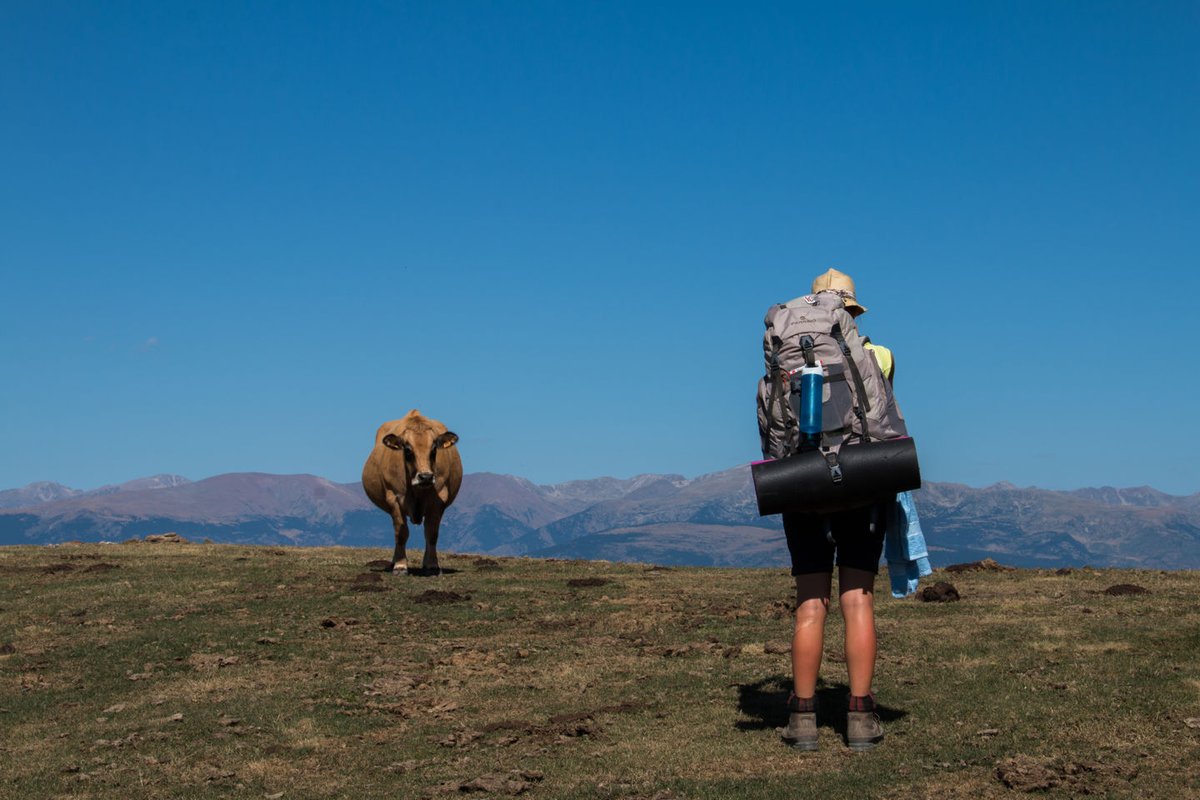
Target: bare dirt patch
{"points": [[437, 597], [986, 565], [210, 662], [940, 592], [1119, 589], [1029, 774], [781, 609], [577, 583], [368, 582], [512, 783]]}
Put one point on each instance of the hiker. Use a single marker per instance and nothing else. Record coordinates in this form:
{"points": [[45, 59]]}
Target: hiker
{"points": [[854, 540]]}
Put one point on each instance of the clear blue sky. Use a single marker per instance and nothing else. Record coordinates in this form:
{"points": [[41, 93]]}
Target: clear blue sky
{"points": [[240, 236]]}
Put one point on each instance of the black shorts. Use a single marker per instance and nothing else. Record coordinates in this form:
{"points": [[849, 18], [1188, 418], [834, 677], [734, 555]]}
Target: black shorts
{"points": [[855, 544]]}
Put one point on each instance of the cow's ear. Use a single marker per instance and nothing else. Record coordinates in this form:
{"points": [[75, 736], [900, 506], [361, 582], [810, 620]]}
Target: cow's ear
{"points": [[447, 439], [392, 441]]}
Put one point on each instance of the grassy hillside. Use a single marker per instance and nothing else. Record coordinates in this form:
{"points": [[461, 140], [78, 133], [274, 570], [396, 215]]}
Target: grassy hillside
{"points": [[156, 670]]}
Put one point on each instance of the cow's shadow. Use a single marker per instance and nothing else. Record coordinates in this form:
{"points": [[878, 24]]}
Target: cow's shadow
{"points": [[765, 704], [421, 572], [385, 566]]}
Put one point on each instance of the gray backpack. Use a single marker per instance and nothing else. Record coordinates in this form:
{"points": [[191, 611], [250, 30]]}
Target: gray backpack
{"points": [[857, 401]]}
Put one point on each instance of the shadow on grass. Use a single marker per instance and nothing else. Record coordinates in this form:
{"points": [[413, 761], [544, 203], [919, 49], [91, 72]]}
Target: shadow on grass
{"points": [[421, 572], [385, 565], [765, 703]]}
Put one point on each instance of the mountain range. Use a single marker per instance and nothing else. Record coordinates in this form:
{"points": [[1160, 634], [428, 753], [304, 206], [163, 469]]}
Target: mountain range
{"points": [[664, 519]]}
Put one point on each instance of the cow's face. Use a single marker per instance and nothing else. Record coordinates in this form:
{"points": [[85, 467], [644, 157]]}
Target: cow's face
{"points": [[420, 447]]}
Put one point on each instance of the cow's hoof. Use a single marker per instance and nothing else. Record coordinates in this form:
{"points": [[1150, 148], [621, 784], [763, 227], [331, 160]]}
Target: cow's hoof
{"points": [[433, 572], [399, 569]]}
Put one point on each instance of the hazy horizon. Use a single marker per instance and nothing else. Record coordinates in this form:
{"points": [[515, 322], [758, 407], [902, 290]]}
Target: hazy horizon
{"points": [[355, 480]]}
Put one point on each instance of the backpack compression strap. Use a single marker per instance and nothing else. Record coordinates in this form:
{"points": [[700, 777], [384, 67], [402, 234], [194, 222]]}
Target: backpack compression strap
{"points": [[775, 375], [863, 403]]}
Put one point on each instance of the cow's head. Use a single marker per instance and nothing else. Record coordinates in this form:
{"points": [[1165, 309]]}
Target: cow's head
{"points": [[420, 446]]}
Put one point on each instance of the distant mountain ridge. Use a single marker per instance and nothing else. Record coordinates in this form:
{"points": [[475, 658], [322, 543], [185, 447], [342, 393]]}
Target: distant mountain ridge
{"points": [[47, 492], [707, 520]]}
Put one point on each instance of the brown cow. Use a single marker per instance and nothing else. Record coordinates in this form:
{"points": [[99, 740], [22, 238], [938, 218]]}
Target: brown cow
{"points": [[413, 473]]}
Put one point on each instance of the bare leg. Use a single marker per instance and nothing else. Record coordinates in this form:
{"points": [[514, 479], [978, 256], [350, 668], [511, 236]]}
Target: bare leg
{"points": [[808, 637], [857, 600], [429, 564], [399, 557]]}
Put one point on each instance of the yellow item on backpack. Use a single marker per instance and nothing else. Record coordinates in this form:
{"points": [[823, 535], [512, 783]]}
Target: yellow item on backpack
{"points": [[883, 356]]}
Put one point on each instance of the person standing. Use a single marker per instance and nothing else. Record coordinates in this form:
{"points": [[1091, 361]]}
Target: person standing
{"points": [[853, 540]]}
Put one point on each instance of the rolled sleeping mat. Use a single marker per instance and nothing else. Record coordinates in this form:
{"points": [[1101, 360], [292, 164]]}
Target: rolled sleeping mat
{"points": [[805, 481]]}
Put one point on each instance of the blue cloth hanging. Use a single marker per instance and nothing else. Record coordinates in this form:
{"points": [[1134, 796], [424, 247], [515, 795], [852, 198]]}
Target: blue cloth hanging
{"points": [[904, 547]]}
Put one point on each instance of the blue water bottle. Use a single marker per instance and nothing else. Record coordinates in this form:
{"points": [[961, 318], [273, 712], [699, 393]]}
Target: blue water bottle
{"points": [[812, 381]]}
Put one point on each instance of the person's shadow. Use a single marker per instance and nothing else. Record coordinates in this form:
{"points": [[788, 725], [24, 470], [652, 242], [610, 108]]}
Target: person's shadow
{"points": [[765, 704]]}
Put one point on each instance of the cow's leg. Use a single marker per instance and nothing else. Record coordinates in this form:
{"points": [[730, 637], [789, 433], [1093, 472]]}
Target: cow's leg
{"points": [[399, 557], [433, 520]]}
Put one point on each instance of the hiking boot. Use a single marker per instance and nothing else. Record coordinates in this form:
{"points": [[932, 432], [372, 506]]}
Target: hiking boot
{"points": [[863, 730], [801, 731]]}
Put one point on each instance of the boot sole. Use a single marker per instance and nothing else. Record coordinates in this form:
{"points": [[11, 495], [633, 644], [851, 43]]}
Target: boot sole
{"points": [[859, 747]]}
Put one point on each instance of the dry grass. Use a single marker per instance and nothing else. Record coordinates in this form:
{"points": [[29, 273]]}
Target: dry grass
{"points": [[218, 671]]}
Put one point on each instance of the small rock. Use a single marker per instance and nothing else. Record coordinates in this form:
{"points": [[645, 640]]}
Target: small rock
{"points": [[165, 538]]}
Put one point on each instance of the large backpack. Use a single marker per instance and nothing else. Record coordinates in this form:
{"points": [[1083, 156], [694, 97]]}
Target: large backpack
{"points": [[857, 401]]}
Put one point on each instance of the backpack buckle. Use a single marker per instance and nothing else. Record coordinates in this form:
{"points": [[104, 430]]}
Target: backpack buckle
{"points": [[835, 469]]}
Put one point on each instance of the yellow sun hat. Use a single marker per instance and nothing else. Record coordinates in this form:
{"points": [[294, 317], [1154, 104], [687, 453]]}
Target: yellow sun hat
{"points": [[841, 284]]}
